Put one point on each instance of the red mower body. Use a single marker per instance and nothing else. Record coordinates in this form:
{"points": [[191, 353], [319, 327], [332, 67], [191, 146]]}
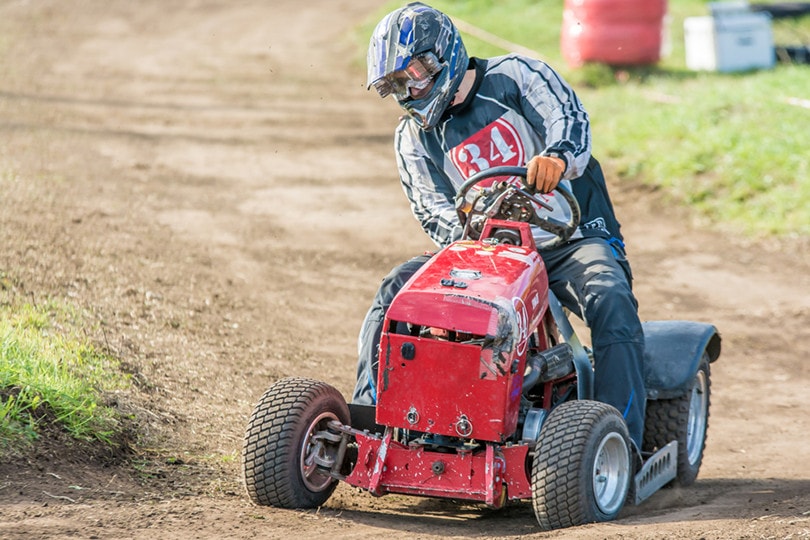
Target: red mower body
{"points": [[475, 305], [494, 296]]}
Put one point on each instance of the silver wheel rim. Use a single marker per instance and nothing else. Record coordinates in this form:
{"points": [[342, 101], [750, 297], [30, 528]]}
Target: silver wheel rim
{"points": [[610, 473], [696, 425], [311, 450]]}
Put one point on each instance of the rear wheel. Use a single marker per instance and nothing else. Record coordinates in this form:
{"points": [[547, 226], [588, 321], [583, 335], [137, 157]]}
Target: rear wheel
{"points": [[582, 472], [684, 419], [288, 444]]}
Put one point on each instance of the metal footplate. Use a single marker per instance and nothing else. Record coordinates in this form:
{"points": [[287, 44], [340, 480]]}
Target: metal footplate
{"points": [[660, 469]]}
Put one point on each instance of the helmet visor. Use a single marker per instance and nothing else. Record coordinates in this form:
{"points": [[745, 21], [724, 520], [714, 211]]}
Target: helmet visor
{"points": [[417, 75]]}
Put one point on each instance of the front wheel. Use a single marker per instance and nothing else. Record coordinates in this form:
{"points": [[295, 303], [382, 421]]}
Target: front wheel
{"points": [[288, 444], [582, 470], [685, 419]]}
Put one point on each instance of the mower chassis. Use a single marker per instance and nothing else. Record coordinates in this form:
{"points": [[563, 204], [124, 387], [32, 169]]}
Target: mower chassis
{"points": [[490, 475]]}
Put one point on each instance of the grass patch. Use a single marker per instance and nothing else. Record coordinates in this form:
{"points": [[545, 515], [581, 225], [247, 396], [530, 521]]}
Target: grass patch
{"points": [[51, 376], [731, 146], [736, 154]]}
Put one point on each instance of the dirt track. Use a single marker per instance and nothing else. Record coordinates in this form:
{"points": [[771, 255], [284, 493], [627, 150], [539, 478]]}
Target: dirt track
{"points": [[213, 184]]}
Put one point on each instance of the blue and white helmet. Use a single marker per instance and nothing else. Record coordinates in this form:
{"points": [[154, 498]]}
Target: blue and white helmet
{"points": [[417, 32]]}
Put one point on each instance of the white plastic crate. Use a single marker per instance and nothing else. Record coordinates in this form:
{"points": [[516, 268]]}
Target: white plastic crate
{"points": [[731, 39]]}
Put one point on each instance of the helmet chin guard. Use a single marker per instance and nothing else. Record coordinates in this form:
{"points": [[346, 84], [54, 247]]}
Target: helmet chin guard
{"points": [[416, 30]]}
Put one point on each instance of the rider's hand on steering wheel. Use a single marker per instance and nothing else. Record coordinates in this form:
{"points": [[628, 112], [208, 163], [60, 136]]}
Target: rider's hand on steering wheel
{"points": [[544, 172]]}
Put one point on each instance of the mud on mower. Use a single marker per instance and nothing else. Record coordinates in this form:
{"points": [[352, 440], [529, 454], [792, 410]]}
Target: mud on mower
{"points": [[484, 391]]}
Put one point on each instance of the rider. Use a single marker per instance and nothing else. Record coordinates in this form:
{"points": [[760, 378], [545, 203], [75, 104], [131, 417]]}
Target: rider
{"points": [[469, 114]]}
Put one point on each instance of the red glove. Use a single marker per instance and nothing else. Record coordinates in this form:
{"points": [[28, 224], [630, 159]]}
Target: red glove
{"points": [[544, 172]]}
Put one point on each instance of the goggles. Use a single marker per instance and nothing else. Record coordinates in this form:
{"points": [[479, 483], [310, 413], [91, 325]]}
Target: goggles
{"points": [[417, 74]]}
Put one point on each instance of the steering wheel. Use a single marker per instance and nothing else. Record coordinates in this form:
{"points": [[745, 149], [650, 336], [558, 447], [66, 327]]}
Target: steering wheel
{"points": [[507, 201]]}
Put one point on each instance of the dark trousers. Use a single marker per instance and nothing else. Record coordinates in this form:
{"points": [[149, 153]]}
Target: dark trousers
{"points": [[593, 281]]}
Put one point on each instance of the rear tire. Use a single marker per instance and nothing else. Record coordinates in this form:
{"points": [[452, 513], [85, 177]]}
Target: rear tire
{"points": [[280, 453], [582, 470], [684, 419]]}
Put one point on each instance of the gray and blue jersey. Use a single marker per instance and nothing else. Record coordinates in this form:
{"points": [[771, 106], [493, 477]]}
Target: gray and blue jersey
{"points": [[523, 108]]}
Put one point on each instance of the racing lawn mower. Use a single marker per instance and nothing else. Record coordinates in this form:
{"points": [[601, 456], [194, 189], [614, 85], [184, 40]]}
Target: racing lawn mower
{"points": [[485, 392]]}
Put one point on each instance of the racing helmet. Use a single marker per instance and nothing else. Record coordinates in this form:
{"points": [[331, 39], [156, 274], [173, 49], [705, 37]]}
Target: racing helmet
{"points": [[410, 48]]}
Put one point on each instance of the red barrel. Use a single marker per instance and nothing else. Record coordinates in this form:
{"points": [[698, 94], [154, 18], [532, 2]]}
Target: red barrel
{"points": [[614, 32]]}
